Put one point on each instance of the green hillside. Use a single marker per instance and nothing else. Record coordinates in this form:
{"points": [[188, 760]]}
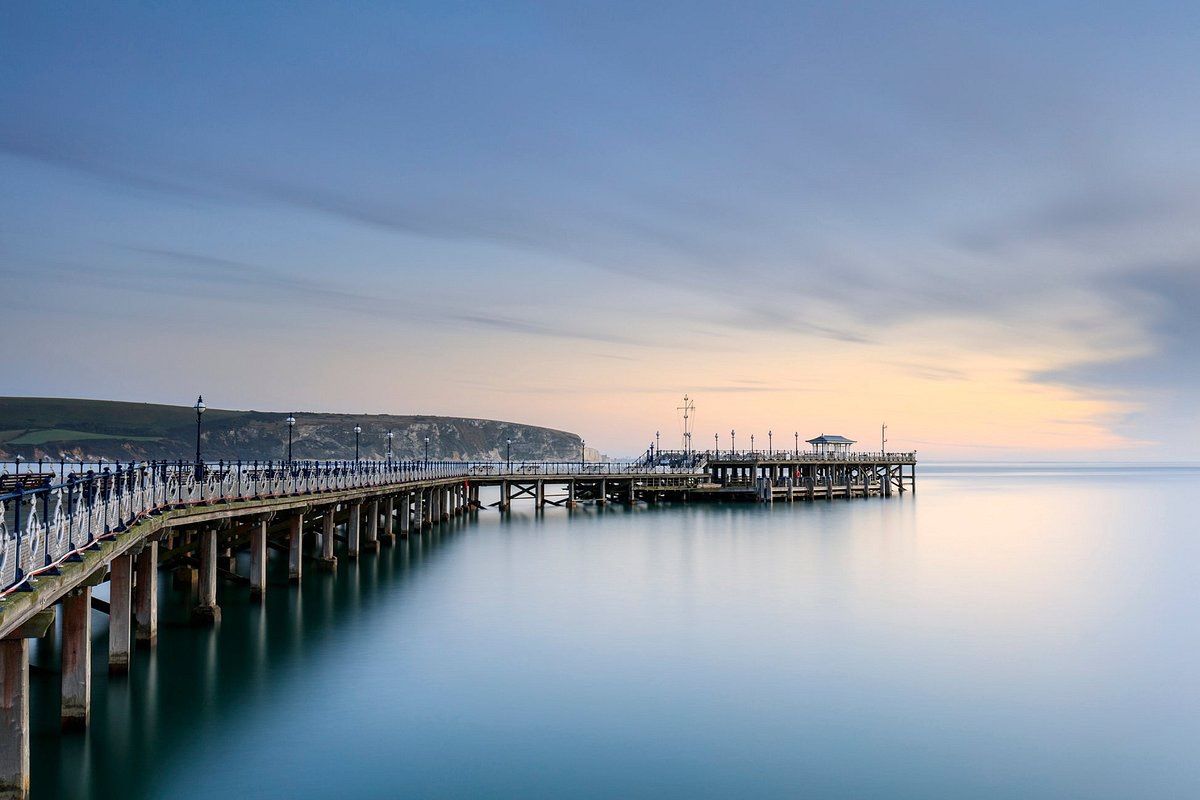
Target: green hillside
{"points": [[39, 427]]}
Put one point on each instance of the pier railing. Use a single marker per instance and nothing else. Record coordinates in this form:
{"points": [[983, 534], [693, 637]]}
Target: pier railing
{"points": [[768, 456], [47, 518], [51, 515], [52, 511], [517, 469]]}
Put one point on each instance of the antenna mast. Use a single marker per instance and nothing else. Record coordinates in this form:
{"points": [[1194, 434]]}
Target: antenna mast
{"points": [[687, 408]]}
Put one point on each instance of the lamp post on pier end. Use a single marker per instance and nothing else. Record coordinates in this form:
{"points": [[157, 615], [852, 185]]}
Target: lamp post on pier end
{"points": [[291, 423], [200, 408]]}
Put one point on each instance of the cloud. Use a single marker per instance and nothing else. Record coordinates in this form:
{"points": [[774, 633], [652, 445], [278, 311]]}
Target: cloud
{"points": [[528, 328], [1165, 299], [98, 162]]}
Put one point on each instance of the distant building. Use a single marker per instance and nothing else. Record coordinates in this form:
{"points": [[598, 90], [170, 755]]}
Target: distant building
{"points": [[825, 445]]}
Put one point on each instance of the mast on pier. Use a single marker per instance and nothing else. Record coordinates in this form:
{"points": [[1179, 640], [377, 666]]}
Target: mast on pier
{"points": [[687, 408]]}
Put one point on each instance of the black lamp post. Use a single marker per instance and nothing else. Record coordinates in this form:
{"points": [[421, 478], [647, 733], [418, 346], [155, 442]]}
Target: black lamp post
{"points": [[770, 444], [752, 444], [390, 435], [508, 453], [732, 441], [582, 450], [199, 411], [657, 443], [291, 423], [716, 445], [797, 435], [427, 451], [357, 433]]}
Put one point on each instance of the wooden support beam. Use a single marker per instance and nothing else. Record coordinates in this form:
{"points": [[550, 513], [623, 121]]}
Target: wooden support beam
{"points": [[76, 705], [14, 718], [258, 559], [232, 577], [207, 612], [295, 546], [328, 561], [14, 704], [405, 514], [120, 615], [387, 535], [145, 603], [371, 535], [352, 531]]}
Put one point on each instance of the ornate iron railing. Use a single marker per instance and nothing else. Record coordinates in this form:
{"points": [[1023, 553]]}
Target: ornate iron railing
{"points": [[771, 456], [49, 518]]}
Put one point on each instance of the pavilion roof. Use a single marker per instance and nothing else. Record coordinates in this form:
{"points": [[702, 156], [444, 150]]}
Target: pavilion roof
{"points": [[830, 439]]}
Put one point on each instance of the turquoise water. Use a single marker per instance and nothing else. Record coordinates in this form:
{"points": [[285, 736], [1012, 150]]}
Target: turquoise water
{"points": [[1007, 632]]}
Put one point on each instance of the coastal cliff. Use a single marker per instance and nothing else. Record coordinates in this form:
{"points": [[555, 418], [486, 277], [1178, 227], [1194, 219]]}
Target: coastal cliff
{"points": [[53, 428]]}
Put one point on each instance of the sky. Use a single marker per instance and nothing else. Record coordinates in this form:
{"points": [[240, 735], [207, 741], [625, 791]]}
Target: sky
{"points": [[975, 222]]}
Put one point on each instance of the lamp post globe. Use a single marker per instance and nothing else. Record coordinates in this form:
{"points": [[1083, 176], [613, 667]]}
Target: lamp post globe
{"points": [[291, 423], [357, 434], [199, 407]]}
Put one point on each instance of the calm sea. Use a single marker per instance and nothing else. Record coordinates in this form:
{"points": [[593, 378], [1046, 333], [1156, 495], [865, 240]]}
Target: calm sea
{"points": [[1008, 632]]}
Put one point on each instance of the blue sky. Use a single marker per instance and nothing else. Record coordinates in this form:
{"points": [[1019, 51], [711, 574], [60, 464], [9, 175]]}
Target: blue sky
{"points": [[976, 222]]}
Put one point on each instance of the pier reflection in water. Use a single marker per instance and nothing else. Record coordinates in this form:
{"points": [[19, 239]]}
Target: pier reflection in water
{"points": [[1008, 633]]}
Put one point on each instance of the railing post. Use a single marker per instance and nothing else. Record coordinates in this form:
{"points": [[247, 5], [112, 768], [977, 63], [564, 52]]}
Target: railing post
{"points": [[46, 523], [20, 534]]}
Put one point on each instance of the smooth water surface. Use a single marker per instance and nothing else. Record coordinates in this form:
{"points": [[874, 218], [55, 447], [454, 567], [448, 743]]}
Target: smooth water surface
{"points": [[1006, 632]]}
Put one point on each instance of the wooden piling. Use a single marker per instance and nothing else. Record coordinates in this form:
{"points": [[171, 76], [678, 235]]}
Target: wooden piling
{"points": [[295, 547], [371, 534], [120, 600], [353, 530], [328, 560], [14, 704], [388, 534], [14, 719], [207, 612], [76, 705], [405, 514], [146, 595], [258, 559]]}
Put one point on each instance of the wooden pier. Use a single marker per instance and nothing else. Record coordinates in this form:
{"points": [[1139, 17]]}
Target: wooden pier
{"points": [[62, 536]]}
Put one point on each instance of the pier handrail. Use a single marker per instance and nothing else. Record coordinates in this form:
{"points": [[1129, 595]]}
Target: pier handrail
{"points": [[78, 504], [43, 527], [48, 521], [804, 456]]}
